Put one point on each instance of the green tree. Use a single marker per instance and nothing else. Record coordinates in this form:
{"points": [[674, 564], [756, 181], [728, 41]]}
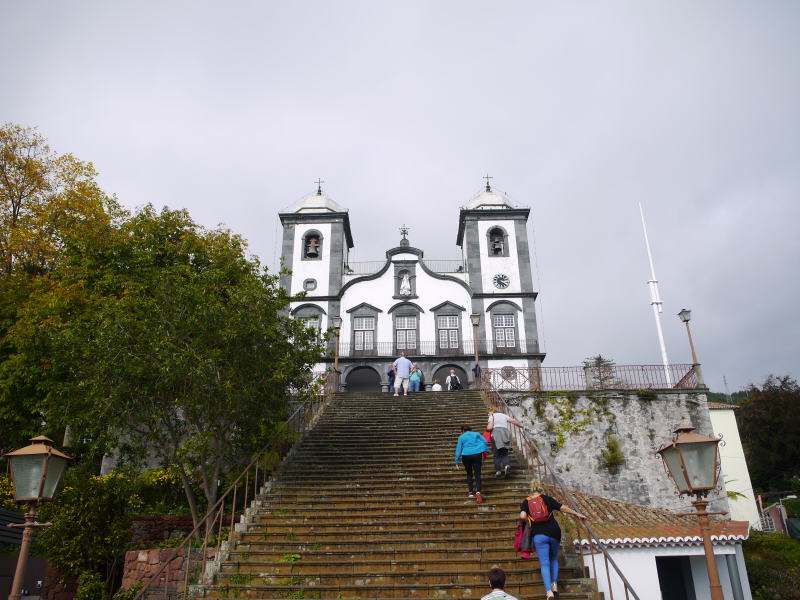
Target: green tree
{"points": [[769, 424], [600, 372], [165, 341], [44, 199]]}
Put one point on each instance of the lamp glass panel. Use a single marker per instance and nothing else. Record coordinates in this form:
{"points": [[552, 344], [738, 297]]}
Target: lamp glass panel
{"points": [[55, 469], [27, 470], [672, 459], [700, 464]]}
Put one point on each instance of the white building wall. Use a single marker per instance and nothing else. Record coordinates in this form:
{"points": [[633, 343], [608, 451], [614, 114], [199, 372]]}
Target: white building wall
{"points": [[734, 467], [638, 565], [311, 269], [430, 291], [491, 265]]}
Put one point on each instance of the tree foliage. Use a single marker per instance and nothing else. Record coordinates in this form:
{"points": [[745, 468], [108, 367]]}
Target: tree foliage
{"points": [[773, 565], [142, 332], [600, 372], [769, 425], [45, 198]]}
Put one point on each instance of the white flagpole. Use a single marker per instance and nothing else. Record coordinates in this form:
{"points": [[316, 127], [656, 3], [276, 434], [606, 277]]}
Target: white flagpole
{"points": [[655, 300]]}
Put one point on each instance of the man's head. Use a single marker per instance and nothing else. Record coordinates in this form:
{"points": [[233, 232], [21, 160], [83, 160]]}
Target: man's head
{"points": [[452, 371], [497, 578], [403, 354]]}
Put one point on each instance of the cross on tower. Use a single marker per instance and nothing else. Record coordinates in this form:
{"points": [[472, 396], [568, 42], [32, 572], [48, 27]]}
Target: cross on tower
{"points": [[404, 231], [487, 178], [319, 183]]}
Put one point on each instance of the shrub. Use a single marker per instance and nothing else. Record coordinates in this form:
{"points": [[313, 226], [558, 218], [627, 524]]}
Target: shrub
{"points": [[773, 565], [128, 594], [611, 456], [91, 587]]}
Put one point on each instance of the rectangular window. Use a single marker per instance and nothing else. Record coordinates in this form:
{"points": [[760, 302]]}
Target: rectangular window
{"points": [[406, 332], [448, 331], [364, 333], [314, 323], [504, 332]]}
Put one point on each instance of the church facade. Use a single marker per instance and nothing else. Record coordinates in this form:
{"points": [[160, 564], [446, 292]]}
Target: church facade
{"points": [[405, 303]]}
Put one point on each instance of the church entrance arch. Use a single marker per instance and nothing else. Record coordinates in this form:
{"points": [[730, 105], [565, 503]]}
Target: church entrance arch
{"points": [[442, 372], [363, 379]]}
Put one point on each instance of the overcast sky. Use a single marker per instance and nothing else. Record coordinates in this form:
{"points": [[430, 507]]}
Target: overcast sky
{"points": [[579, 110]]}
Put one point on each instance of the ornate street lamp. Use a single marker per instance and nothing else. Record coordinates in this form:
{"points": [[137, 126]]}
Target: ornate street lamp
{"points": [[475, 318], [685, 315], [35, 472], [337, 326], [692, 462]]}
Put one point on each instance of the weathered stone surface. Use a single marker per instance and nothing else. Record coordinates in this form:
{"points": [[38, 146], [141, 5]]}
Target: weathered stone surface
{"points": [[571, 429]]}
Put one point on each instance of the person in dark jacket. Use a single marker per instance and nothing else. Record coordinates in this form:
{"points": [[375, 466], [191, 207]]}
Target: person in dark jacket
{"points": [[469, 451], [545, 536]]}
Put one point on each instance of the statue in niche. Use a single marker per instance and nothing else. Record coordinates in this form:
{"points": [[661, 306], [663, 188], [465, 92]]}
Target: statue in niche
{"points": [[405, 285]]}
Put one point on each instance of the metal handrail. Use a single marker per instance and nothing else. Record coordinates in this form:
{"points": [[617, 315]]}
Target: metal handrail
{"points": [[299, 422], [540, 469]]}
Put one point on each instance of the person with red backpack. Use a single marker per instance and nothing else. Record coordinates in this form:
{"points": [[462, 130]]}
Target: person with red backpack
{"points": [[541, 531]]}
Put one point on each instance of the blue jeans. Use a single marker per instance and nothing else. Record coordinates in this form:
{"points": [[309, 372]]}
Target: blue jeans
{"points": [[547, 550], [413, 386]]}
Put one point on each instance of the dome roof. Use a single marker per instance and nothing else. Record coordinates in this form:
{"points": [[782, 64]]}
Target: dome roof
{"points": [[316, 203], [488, 200]]}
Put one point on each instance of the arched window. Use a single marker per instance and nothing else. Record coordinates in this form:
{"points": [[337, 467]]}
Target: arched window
{"points": [[312, 245], [497, 241], [504, 317]]}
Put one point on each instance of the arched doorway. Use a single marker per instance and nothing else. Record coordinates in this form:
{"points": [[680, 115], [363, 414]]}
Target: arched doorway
{"points": [[363, 379], [443, 371]]}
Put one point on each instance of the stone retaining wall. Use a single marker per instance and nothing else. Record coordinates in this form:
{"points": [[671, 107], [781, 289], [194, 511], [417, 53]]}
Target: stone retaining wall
{"points": [[142, 565], [572, 429]]}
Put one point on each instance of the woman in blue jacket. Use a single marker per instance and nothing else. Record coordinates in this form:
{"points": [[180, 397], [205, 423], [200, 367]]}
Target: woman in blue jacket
{"points": [[469, 451]]}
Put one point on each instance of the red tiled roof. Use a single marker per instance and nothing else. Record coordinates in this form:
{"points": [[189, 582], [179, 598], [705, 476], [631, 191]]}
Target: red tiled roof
{"points": [[721, 406], [618, 523]]}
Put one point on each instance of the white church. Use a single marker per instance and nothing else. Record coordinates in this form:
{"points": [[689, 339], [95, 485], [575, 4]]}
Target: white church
{"points": [[404, 303]]}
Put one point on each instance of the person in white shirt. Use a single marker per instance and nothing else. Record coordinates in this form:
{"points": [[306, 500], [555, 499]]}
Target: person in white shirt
{"points": [[453, 382], [402, 369], [501, 441], [497, 579], [436, 387]]}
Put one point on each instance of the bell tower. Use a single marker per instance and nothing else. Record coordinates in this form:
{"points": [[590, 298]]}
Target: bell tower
{"points": [[315, 247], [493, 236]]}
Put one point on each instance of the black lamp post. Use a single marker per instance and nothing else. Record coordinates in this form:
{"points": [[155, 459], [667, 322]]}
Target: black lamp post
{"points": [[35, 472], [475, 319], [692, 462], [686, 315], [337, 327]]}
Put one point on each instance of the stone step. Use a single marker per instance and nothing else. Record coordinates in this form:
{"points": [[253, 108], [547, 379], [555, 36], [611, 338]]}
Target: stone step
{"points": [[466, 573], [307, 555], [332, 571], [366, 588], [333, 543], [383, 537], [279, 508]]}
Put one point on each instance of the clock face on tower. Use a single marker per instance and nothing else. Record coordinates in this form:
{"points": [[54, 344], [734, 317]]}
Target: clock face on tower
{"points": [[501, 281]]}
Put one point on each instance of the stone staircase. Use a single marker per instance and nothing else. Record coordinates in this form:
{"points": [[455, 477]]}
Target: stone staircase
{"points": [[371, 506]]}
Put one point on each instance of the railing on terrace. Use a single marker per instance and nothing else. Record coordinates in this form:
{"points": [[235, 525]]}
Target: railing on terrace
{"points": [[215, 527], [541, 470], [373, 266], [431, 348], [617, 377]]}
